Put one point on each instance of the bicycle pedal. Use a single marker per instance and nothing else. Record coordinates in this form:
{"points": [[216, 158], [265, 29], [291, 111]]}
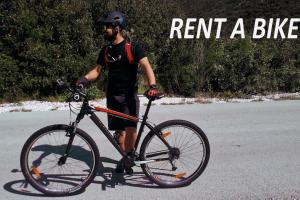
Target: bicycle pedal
{"points": [[119, 170], [120, 167], [129, 170]]}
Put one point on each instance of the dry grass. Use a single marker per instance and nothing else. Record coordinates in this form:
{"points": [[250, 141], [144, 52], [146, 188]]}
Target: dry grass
{"points": [[20, 110], [202, 100], [288, 98]]}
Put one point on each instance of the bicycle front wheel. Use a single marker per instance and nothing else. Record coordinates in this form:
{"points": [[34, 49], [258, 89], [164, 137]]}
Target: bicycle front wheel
{"points": [[47, 168], [182, 163]]}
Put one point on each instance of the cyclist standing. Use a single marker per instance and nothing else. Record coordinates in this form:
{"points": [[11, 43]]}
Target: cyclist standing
{"points": [[121, 58]]}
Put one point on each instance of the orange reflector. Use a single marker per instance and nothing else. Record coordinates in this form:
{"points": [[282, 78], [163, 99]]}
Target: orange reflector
{"points": [[36, 171], [180, 175], [157, 178], [166, 134]]}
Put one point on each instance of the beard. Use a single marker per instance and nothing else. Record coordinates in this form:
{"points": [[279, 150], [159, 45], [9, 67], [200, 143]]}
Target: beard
{"points": [[111, 37]]}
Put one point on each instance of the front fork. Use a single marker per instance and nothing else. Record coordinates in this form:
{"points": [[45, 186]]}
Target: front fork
{"points": [[71, 132]]}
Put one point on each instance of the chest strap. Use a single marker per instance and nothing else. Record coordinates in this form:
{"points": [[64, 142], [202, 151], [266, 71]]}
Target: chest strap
{"points": [[128, 53]]}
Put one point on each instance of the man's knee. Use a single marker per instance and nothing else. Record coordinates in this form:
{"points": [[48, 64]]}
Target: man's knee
{"points": [[130, 130]]}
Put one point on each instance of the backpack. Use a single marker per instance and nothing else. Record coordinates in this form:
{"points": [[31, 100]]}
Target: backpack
{"points": [[128, 53]]}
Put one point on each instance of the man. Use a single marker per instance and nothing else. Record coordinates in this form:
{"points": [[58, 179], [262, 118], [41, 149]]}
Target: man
{"points": [[122, 65]]}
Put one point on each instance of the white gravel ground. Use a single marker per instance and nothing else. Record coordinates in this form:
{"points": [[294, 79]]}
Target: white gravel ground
{"points": [[30, 106]]}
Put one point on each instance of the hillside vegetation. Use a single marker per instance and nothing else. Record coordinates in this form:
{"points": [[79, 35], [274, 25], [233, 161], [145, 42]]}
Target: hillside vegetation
{"points": [[42, 40]]}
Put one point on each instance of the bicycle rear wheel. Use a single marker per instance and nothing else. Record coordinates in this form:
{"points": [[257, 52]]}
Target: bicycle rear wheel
{"points": [[184, 162], [42, 165]]}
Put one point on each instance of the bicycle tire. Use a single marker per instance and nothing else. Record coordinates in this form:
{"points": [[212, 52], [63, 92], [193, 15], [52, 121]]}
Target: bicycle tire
{"points": [[89, 158], [176, 178]]}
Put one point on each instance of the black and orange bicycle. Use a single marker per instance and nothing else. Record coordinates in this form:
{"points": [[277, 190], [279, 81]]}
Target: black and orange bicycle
{"points": [[62, 159]]}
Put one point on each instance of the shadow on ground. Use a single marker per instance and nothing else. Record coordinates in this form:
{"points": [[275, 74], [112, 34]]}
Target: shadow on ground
{"points": [[110, 180]]}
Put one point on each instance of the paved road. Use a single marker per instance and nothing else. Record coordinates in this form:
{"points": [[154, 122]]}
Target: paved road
{"points": [[255, 154]]}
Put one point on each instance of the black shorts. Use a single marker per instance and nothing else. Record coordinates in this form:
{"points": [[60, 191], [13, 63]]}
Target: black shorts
{"points": [[128, 104]]}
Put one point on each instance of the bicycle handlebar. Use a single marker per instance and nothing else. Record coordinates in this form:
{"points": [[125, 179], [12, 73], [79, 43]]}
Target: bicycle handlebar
{"points": [[76, 92]]}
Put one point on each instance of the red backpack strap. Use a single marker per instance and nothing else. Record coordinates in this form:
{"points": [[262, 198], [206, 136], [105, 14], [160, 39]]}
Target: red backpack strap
{"points": [[129, 53]]}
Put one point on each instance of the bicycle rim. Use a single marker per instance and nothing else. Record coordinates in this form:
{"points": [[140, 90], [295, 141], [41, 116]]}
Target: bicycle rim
{"points": [[42, 163], [167, 169]]}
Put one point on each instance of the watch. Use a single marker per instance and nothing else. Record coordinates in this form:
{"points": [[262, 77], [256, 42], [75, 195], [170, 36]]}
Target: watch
{"points": [[153, 86]]}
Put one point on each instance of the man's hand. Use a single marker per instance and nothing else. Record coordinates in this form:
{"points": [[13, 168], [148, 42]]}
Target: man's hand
{"points": [[152, 91], [82, 82]]}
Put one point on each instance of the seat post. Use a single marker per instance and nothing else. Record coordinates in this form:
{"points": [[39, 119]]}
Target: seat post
{"points": [[145, 117]]}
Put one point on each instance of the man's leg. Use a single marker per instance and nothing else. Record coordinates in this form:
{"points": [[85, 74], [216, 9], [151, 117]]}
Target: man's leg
{"points": [[121, 138], [127, 138], [126, 141], [130, 138]]}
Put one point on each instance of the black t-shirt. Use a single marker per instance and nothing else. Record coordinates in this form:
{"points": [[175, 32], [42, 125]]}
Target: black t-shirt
{"points": [[122, 76]]}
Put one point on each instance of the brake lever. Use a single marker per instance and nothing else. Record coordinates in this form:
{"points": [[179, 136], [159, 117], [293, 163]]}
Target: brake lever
{"points": [[76, 91], [79, 91]]}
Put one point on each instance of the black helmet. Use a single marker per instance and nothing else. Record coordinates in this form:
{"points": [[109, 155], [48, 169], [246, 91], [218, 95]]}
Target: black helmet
{"points": [[114, 18]]}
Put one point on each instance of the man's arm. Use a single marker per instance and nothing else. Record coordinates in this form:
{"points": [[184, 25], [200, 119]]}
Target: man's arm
{"points": [[94, 73], [145, 65]]}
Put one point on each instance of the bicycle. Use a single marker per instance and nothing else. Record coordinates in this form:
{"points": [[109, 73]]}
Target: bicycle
{"points": [[62, 159]]}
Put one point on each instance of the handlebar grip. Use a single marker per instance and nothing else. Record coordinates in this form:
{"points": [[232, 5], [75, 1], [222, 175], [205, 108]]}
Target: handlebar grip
{"points": [[75, 90]]}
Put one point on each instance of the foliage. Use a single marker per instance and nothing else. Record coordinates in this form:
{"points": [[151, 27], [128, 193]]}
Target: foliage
{"points": [[42, 40]]}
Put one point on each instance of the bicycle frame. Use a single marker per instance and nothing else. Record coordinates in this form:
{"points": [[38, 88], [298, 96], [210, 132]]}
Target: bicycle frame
{"points": [[167, 166], [86, 109]]}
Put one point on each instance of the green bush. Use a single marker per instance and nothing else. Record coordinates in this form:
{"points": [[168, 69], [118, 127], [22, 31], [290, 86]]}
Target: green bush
{"points": [[43, 40]]}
